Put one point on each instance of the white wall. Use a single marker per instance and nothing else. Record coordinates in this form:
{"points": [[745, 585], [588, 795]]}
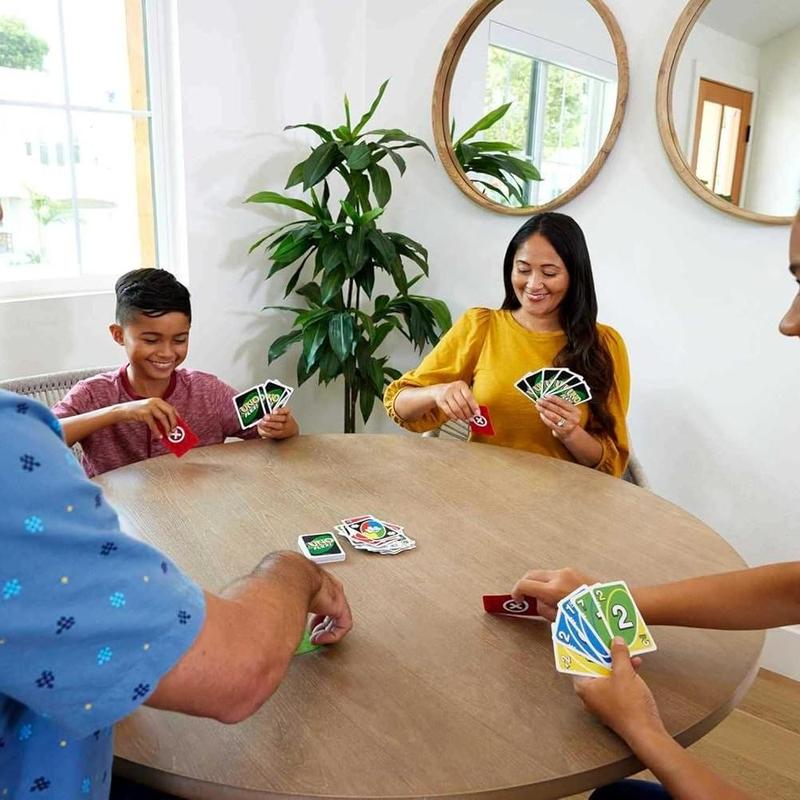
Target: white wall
{"points": [[696, 294], [775, 151]]}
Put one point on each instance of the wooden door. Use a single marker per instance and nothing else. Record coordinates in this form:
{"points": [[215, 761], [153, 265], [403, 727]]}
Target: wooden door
{"points": [[721, 135]]}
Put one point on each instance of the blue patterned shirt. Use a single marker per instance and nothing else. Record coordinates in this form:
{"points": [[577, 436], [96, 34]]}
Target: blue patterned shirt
{"points": [[90, 619]]}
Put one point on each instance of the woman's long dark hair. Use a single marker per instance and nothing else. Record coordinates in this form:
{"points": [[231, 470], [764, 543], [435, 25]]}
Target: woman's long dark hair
{"points": [[584, 352]]}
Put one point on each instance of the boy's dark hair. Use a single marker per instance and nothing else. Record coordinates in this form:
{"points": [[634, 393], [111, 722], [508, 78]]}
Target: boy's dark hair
{"points": [[152, 292]]}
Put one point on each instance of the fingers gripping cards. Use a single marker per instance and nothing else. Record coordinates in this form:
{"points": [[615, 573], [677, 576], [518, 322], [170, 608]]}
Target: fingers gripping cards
{"points": [[257, 401]]}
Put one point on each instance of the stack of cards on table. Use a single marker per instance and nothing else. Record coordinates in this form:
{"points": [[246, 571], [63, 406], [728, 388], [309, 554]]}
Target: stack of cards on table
{"points": [[252, 404], [374, 535], [554, 381], [321, 548], [588, 620]]}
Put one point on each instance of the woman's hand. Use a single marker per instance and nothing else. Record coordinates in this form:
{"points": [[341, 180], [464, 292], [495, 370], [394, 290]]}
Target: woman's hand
{"points": [[456, 400], [560, 416], [280, 424]]}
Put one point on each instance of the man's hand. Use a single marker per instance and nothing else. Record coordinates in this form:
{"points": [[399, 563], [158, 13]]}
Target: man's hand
{"points": [[332, 618], [154, 412], [548, 587], [622, 701], [280, 424]]}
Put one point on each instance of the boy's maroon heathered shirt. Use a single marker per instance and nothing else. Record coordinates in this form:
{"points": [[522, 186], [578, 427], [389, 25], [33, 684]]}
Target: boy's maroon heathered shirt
{"points": [[202, 399]]}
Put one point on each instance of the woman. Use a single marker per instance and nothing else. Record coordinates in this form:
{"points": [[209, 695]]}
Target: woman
{"points": [[548, 318]]}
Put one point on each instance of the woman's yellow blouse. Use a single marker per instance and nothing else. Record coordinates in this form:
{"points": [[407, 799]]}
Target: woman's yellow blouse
{"points": [[489, 350]]}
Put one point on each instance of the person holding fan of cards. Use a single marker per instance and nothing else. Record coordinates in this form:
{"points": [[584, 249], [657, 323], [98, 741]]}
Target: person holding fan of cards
{"points": [[124, 416], [754, 599], [548, 320]]}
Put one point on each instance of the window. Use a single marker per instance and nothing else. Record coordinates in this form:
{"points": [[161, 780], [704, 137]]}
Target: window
{"points": [[79, 83], [562, 104]]}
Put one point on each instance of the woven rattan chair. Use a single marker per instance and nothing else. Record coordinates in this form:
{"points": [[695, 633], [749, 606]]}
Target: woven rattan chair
{"points": [[51, 387], [460, 431]]}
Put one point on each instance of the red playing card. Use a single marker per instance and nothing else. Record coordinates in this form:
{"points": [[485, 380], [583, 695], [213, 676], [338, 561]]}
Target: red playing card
{"points": [[505, 605], [180, 440], [482, 423]]}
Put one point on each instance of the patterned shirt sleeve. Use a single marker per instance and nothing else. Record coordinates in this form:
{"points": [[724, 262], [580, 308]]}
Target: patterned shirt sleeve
{"points": [[77, 401], [90, 618]]}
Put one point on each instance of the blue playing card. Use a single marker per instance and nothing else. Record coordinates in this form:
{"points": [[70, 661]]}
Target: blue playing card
{"points": [[590, 642]]}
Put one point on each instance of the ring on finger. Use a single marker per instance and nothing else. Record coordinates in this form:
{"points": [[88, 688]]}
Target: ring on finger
{"points": [[561, 423]]}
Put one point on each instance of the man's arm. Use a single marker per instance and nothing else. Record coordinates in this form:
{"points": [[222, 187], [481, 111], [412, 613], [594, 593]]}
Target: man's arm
{"points": [[249, 637], [748, 599]]}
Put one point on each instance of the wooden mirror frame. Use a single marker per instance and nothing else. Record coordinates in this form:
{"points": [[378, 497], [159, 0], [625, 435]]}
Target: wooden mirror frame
{"points": [[441, 104], [666, 126]]}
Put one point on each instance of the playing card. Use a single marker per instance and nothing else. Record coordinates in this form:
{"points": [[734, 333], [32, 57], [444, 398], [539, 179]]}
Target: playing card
{"points": [[482, 423], [505, 605], [249, 407], [535, 383], [306, 645], [548, 376], [571, 662], [559, 382], [588, 606], [273, 391], [367, 532], [321, 548], [181, 439], [591, 643], [622, 616]]}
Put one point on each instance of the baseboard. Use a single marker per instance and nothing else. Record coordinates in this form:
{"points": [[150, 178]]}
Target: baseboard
{"points": [[782, 651]]}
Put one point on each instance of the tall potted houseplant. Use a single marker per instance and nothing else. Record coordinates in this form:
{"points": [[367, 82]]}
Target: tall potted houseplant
{"points": [[334, 253]]}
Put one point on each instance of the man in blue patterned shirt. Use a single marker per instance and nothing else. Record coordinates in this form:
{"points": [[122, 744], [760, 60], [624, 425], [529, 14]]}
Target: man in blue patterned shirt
{"points": [[94, 623]]}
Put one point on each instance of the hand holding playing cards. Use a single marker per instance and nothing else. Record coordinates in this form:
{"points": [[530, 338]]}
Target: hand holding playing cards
{"points": [[622, 701], [155, 412], [280, 424], [559, 415], [332, 618], [456, 400], [547, 587]]}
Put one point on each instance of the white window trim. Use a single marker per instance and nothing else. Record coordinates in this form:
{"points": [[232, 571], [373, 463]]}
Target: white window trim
{"points": [[167, 159]]}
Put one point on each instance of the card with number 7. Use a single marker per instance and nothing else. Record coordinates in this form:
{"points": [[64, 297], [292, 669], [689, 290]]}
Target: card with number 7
{"points": [[624, 619]]}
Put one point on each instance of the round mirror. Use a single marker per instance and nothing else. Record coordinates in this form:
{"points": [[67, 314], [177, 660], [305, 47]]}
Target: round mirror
{"points": [[728, 94], [529, 100]]}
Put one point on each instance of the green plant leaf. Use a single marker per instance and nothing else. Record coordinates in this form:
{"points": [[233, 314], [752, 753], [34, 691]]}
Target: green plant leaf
{"points": [[340, 335], [293, 309], [323, 133], [381, 184], [368, 115], [311, 291], [365, 279], [293, 280], [329, 365], [313, 337], [366, 402], [282, 344], [332, 283], [303, 372], [399, 161], [292, 247], [296, 175], [485, 122], [350, 210], [397, 135], [439, 309], [279, 199], [383, 248], [322, 160], [358, 156], [381, 332], [356, 251], [370, 216], [500, 147]]}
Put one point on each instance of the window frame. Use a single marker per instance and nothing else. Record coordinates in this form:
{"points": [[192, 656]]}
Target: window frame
{"points": [[166, 156]]}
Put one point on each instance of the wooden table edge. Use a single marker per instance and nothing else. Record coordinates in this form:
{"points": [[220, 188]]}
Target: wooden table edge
{"points": [[183, 786]]}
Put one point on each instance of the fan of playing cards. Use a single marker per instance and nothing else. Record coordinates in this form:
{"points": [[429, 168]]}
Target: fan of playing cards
{"points": [[587, 621], [374, 535], [252, 404], [555, 381]]}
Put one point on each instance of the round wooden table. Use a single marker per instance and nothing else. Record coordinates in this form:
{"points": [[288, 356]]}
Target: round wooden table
{"points": [[428, 696]]}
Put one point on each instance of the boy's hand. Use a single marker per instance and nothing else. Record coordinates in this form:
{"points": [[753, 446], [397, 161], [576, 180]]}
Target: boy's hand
{"points": [[622, 701], [153, 412], [281, 424], [332, 618], [548, 586]]}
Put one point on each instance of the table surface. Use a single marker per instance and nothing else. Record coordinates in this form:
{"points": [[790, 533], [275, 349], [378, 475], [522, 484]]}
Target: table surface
{"points": [[428, 696]]}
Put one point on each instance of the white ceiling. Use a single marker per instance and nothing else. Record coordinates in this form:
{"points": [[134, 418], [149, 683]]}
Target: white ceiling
{"points": [[755, 22]]}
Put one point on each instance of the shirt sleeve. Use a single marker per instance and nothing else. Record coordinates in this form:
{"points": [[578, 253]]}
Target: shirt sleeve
{"points": [[453, 359], [90, 619], [78, 400], [616, 447]]}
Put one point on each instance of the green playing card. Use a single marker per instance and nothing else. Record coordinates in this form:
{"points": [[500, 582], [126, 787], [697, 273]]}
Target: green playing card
{"points": [[588, 606], [249, 407], [620, 612], [306, 645]]}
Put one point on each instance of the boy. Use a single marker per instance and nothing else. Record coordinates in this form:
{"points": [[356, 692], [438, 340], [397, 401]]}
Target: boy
{"points": [[623, 701], [121, 417]]}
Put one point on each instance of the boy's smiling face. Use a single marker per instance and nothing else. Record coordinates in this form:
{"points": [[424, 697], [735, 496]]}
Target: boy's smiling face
{"points": [[155, 346]]}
